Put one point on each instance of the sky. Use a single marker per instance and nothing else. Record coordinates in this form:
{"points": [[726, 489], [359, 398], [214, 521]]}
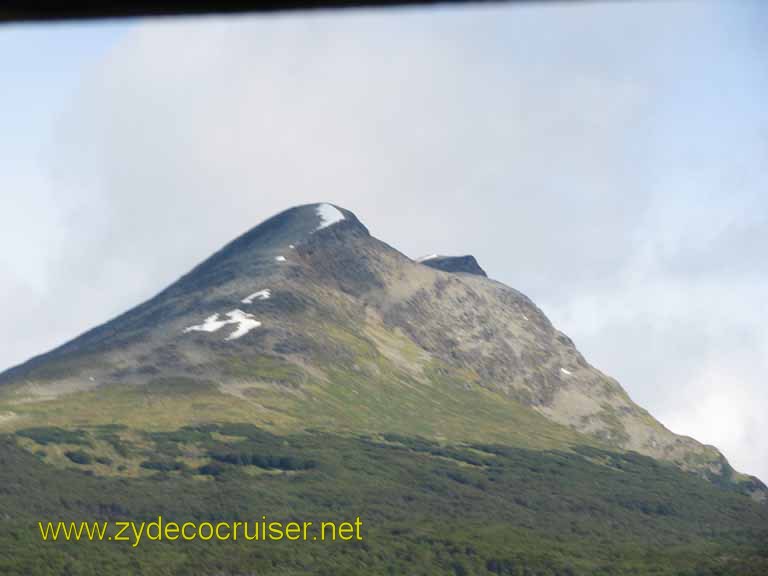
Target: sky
{"points": [[609, 160]]}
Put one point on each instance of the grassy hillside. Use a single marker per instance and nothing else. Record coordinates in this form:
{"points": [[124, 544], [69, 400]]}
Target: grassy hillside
{"points": [[352, 387]]}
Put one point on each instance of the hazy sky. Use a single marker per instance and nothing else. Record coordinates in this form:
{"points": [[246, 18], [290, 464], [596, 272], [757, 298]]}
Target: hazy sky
{"points": [[610, 161]]}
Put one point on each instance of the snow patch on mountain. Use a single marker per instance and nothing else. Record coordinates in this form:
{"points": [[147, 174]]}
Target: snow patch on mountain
{"points": [[260, 295], [329, 215], [425, 258], [245, 323], [280, 258]]}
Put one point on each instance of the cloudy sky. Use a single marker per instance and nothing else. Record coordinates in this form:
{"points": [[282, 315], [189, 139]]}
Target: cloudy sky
{"points": [[611, 161]]}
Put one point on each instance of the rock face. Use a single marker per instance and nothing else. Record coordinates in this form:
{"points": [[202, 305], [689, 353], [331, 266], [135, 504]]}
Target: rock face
{"points": [[466, 264], [309, 321]]}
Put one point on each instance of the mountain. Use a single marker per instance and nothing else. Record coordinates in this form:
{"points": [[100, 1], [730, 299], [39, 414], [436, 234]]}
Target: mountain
{"points": [[307, 317], [308, 327]]}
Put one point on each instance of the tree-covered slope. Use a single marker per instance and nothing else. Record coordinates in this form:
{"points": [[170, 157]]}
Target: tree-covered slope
{"points": [[426, 508]]}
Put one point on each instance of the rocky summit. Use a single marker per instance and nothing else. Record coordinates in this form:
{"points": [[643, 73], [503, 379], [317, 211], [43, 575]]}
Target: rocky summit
{"points": [[466, 263]]}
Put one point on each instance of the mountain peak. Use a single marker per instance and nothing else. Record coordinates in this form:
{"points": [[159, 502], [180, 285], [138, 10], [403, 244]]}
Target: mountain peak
{"points": [[306, 219], [274, 238], [295, 225]]}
